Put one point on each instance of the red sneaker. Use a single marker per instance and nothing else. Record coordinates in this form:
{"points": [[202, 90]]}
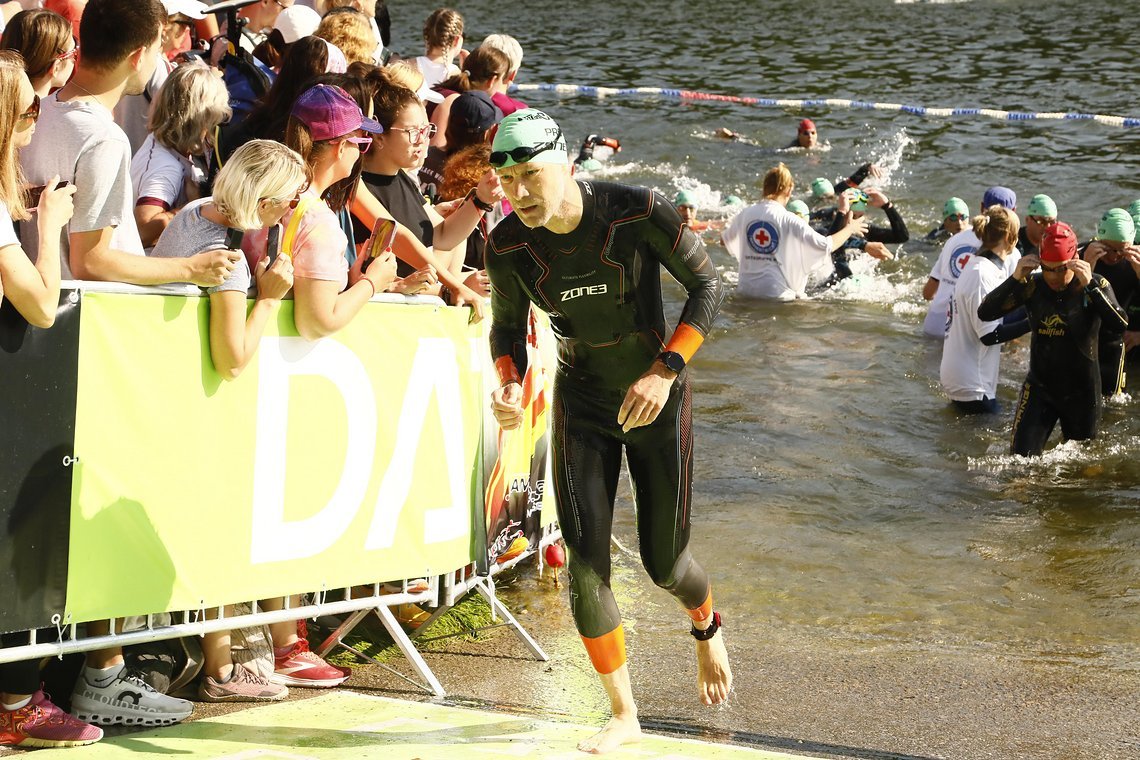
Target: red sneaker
{"points": [[41, 724], [297, 666]]}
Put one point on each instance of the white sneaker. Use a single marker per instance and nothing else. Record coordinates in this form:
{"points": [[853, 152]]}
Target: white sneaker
{"points": [[127, 700]]}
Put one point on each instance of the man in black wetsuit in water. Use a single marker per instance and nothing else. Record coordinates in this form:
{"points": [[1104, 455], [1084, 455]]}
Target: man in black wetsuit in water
{"points": [[589, 254], [1067, 304]]}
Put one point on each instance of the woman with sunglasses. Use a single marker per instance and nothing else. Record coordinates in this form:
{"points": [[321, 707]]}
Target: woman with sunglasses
{"points": [[27, 716], [257, 186], [44, 39], [328, 129], [389, 175], [33, 289]]}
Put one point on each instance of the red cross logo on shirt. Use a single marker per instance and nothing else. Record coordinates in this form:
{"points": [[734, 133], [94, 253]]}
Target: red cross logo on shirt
{"points": [[762, 237]]}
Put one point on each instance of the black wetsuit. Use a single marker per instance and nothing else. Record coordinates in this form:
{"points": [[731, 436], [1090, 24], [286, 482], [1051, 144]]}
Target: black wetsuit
{"points": [[1024, 246], [1064, 374], [601, 286], [1124, 284], [896, 233]]}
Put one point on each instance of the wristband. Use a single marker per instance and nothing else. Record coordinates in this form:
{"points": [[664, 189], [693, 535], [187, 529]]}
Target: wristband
{"points": [[479, 204], [365, 279]]}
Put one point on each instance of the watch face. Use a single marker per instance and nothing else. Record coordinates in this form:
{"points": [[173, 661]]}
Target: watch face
{"points": [[673, 361]]}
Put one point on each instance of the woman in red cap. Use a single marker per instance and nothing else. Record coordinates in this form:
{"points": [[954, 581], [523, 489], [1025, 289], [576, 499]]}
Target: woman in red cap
{"points": [[1066, 303]]}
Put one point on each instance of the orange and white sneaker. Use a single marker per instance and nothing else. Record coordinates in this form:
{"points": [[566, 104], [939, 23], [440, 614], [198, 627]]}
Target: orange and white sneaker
{"points": [[41, 724], [296, 665]]}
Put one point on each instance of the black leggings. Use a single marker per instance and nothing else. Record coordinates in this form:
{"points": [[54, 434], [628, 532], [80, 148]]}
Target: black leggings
{"points": [[588, 444], [1038, 413]]}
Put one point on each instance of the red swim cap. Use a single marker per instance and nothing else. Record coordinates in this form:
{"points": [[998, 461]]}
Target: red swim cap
{"points": [[1059, 243], [807, 125]]}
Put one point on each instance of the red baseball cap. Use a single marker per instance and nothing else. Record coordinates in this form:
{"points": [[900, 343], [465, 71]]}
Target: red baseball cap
{"points": [[1058, 243], [807, 125]]}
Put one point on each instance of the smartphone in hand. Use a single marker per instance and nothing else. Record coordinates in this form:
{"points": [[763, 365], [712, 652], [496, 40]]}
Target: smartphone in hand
{"points": [[273, 243], [34, 194], [383, 236]]}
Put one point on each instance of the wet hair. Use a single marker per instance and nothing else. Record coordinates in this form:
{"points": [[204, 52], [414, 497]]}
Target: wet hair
{"points": [[508, 46], [306, 58], [259, 170], [480, 66], [996, 226], [777, 181], [349, 30], [11, 178], [390, 102], [441, 27], [299, 138], [464, 170], [190, 104], [113, 29], [40, 37]]}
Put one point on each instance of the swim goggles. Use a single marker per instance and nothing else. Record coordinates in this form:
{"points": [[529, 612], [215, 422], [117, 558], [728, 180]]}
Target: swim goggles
{"points": [[522, 153]]}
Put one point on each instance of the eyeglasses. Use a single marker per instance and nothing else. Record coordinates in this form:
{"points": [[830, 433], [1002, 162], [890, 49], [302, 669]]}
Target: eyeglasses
{"points": [[957, 217], [281, 4], [1055, 270], [523, 152], [416, 135], [1044, 221], [363, 143], [69, 55], [33, 112]]}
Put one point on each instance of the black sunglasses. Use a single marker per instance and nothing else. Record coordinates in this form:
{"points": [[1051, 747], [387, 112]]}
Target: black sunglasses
{"points": [[522, 153], [33, 112]]}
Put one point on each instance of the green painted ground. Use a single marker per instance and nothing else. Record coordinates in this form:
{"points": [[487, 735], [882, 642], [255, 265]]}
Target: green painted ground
{"points": [[347, 725]]}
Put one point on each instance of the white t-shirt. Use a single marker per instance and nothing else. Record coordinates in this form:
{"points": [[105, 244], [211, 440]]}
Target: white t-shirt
{"points": [[7, 227], [434, 73], [970, 369], [80, 141], [956, 253], [158, 172], [777, 251], [133, 111]]}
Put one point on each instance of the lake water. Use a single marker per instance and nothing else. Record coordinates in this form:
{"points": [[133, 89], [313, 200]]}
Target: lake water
{"points": [[836, 492]]}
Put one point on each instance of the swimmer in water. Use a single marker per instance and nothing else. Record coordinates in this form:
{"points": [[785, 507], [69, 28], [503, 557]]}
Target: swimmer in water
{"points": [[807, 137], [620, 386], [594, 150], [1067, 305], [955, 218], [686, 204], [1041, 213]]}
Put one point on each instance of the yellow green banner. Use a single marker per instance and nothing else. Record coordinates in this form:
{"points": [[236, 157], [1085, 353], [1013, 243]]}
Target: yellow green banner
{"points": [[347, 460]]}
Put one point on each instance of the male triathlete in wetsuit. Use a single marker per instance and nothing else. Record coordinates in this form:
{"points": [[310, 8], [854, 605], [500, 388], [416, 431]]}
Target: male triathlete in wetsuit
{"points": [[590, 255], [1113, 256], [872, 241], [1066, 304]]}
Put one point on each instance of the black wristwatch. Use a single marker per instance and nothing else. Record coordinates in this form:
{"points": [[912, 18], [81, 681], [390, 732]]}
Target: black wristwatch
{"points": [[672, 361]]}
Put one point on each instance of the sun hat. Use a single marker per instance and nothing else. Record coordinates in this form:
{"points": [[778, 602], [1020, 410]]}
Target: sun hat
{"points": [[1042, 205], [330, 112], [955, 206], [190, 8], [295, 22], [521, 133], [1116, 225], [1058, 243]]}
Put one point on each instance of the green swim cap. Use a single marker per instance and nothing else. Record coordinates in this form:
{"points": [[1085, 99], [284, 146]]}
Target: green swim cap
{"points": [[685, 198], [732, 200], [590, 165], [1116, 225], [799, 208], [955, 206], [821, 187], [1042, 205], [859, 200], [523, 131], [1136, 224], [1134, 209]]}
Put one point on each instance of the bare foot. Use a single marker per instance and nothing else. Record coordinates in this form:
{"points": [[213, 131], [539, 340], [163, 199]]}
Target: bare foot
{"points": [[622, 729], [714, 677]]}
